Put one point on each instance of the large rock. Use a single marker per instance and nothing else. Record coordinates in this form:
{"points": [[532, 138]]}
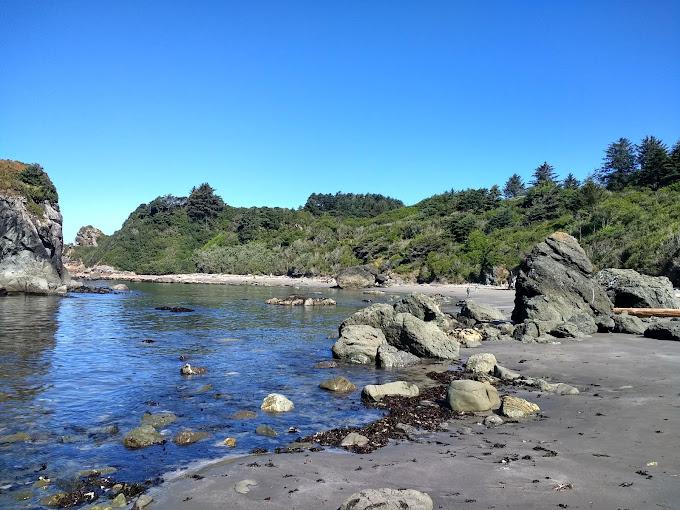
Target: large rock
{"points": [[426, 308], [629, 289], [624, 323], [357, 277], [88, 236], [388, 499], [556, 285], [276, 403], [667, 330], [483, 363], [31, 245], [391, 357], [481, 312], [397, 388], [359, 343], [142, 437], [380, 316], [517, 408], [424, 339], [472, 396]]}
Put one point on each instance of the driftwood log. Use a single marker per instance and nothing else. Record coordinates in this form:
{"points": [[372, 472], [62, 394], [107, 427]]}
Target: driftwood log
{"points": [[649, 312]]}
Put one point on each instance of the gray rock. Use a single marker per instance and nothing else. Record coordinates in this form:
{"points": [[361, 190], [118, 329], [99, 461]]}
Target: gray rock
{"points": [[481, 312], [505, 374], [483, 363], [88, 236], [159, 420], [265, 430], [376, 392], [667, 330], [555, 286], [624, 323], [388, 499], [493, 421], [424, 339], [380, 316], [354, 439], [142, 502], [357, 277], [276, 403], [557, 388], [391, 357], [469, 337], [359, 343], [472, 396], [142, 437], [566, 330], [31, 247], [338, 384], [426, 308], [243, 487], [120, 287], [629, 289], [187, 437], [326, 364]]}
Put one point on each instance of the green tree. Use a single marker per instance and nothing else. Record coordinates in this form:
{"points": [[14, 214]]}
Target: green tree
{"points": [[653, 159], [39, 185], [619, 165], [544, 174], [570, 182], [514, 187], [672, 172], [203, 205]]}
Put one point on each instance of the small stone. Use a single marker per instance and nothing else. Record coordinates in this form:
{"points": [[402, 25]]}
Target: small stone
{"points": [[265, 430], [119, 501], [276, 403], [338, 384], [244, 415], [354, 439], [187, 437], [230, 442], [483, 363], [243, 487], [493, 421], [142, 502], [515, 407], [398, 388], [120, 287]]}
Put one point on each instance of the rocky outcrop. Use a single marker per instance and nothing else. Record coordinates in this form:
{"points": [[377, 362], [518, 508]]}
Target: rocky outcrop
{"points": [[31, 245], [358, 277], [629, 289], [556, 286], [424, 339], [88, 236], [624, 323], [666, 330]]}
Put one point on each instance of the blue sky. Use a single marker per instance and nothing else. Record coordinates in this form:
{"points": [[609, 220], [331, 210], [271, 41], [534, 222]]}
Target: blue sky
{"points": [[271, 101]]}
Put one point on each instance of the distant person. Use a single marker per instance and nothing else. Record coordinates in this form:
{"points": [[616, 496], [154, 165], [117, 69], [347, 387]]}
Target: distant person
{"points": [[468, 291]]}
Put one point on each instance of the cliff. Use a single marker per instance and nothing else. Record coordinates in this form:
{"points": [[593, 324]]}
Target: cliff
{"points": [[31, 240]]}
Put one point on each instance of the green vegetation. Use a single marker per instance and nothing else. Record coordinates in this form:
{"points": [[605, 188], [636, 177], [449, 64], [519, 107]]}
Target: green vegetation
{"points": [[29, 181], [625, 216]]}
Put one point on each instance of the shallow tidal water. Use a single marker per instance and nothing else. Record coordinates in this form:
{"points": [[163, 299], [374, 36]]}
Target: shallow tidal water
{"points": [[73, 368]]}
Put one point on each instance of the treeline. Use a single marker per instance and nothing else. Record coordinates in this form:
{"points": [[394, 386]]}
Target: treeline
{"points": [[455, 236]]}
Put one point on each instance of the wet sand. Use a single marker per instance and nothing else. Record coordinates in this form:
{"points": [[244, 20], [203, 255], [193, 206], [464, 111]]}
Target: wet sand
{"points": [[617, 445]]}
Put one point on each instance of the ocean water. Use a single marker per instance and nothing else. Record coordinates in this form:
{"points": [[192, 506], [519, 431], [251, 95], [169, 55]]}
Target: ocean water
{"points": [[73, 367]]}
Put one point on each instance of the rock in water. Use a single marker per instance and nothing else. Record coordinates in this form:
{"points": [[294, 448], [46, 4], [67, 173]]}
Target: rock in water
{"points": [[120, 287], [143, 436], [555, 286], [388, 499], [667, 330], [391, 357], [187, 437], [359, 343], [31, 241], [629, 289], [483, 363], [515, 407], [158, 420], [265, 430], [276, 403], [481, 312], [398, 388], [357, 277], [472, 396], [338, 384]]}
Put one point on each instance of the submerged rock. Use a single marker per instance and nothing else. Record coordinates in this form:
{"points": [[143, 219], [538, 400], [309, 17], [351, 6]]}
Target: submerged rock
{"points": [[338, 384], [142, 437], [516, 408], [326, 364], [359, 343], [376, 392], [18, 437], [276, 403], [174, 309], [629, 289], [265, 430], [187, 437], [472, 396], [244, 415], [159, 420], [388, 499]]}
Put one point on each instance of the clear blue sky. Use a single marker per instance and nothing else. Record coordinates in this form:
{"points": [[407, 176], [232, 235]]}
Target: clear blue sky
{"points": [[271, 101]]}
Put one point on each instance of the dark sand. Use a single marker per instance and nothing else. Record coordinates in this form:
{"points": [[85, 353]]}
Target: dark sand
{"points": [[617, 444]]}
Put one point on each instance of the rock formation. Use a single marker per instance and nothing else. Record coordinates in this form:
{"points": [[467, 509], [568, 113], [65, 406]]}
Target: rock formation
{"points": [[31, 245], [556, 293], [358, 277], [629, 289], [88, 236]]}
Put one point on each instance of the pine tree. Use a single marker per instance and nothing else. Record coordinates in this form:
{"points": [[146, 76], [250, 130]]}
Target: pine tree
{"points": [[619, 165], [653, 160], [514, 187], [203, 205], [570, 182], [544, 174], [672, 172]]}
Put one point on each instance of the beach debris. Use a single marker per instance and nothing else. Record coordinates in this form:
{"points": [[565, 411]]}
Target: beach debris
{"points": [[276, 403], [562, 487], [338, 384], [376, 392], [466, 395], [388, 499], [243, 487]]}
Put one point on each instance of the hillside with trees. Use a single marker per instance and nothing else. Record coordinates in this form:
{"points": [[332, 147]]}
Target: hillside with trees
{"points": [[625, 215]]}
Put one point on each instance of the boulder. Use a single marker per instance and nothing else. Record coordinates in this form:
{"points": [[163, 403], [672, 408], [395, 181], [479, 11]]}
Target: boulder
{"points": [[624, 323], [468, 337], [629, 289], [481, 312], [142, 437], [388, 499], [276, 403], [88, 236], [187, 437], [472, 396], [556, 285], [380, 316], [391, 357], [338, 384], [426, 308], [31, 245], [357, 277], [354, 439], [398, 388], [666, 330], [359, 343], [483, 363], [516, 408], [424, 339]]}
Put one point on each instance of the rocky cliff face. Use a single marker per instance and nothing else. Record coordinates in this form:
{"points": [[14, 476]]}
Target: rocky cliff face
{"points": [[88, 236], [30, 247]]}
